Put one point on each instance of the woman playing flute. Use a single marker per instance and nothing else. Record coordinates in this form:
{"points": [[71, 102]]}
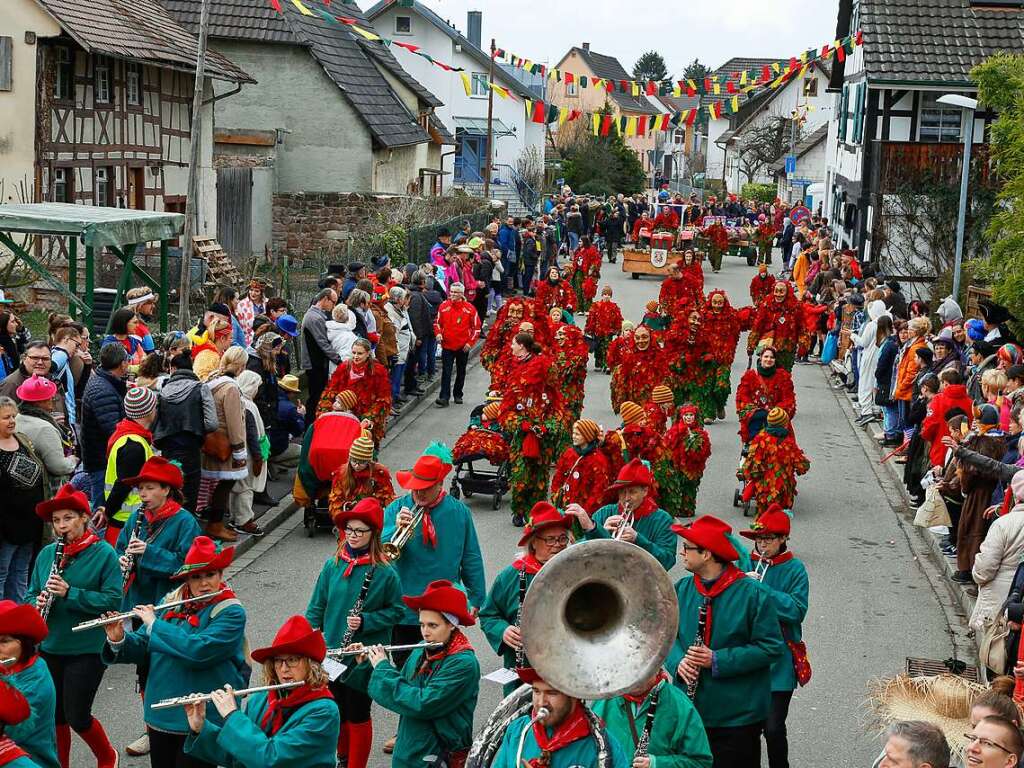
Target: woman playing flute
{"points": [[85, 582], [292, 728], [358, 570], [190, 649]]}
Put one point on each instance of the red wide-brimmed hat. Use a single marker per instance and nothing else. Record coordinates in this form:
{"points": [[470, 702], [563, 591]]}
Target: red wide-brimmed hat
{"points": [[157, 469], [67, 498], [426, 472], [773, 520], [634, 473], [708, 532], [528, 675], [368, 510], [13, 705], [544, 516], [296, 637], [204, 556], [444, 597], [20, 620]]}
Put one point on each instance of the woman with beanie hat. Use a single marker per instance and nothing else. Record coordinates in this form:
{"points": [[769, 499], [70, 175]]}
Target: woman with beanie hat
{"points": [[360, 478], [582, 471], [128, 449], [773, 462], [762, 388]]}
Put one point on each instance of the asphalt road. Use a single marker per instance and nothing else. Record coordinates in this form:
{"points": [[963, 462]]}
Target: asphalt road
{"points": [[875, 598]]}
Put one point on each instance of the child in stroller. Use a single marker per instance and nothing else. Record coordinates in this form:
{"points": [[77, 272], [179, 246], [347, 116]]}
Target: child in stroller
{"points": [[482, 441]]}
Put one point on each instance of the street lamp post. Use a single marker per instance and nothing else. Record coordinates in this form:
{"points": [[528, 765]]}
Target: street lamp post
{"points": [[969, 106]]}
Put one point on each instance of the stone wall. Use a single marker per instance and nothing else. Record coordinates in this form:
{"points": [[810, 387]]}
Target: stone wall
{"points": [[304, 224]]}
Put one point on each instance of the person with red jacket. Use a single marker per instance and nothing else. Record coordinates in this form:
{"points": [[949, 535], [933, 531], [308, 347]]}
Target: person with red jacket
{"points": [[667, 219], [457, 328], [644, 222], [952, 394]]}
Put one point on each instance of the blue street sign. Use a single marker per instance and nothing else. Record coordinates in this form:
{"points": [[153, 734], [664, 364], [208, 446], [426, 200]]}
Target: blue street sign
{"points": [[790, 164]]}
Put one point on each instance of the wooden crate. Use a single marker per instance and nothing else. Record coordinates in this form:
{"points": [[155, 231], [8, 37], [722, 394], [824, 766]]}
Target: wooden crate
{"points": [[974, 296]]}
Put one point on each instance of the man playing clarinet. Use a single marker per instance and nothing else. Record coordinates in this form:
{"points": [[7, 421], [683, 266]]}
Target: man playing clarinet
{"points": [[727, 641]]}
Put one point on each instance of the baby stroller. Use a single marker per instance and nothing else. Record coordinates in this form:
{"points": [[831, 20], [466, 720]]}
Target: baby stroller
{"points": [[481, 461], [739, 497], [327, 443]]}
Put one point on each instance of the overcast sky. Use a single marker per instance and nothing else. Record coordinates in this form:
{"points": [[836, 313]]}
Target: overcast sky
{"points": [[680, 29]]}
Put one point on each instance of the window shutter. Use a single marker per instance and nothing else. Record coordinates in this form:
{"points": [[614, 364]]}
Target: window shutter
{"points": [[858, 118], [844, 99], [6, 55]]}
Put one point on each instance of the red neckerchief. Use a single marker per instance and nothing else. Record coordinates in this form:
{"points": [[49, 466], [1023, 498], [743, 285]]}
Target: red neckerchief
{"points": [[9, 751], [278, 702], [168, 510], [640, 698], [355, 374], [572, 729], [529, 563], [429, 532], [779, 559], [190, 612], [352, 560], [457, 644], [128, 427], [729, 576], [73, 548], [647, 506], [20, 666]]}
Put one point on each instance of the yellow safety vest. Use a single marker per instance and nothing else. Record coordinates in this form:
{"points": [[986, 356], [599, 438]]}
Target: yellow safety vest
{"points": [[132, 502]]}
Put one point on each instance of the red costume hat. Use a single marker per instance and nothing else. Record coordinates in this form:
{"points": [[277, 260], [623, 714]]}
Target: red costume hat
{"points": [[634, 473], [544, 516], [442, 596], [295, 638], [67, 498], [368, 510], [528, 675], [708, 532], [158, 470], [203, 556], [13, 705], [427, 472], [773, 520], [22, 621]]}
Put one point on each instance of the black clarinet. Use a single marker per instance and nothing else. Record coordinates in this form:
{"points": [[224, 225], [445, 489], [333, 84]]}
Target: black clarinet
{"points": [[55, 570], [521, 651], [130, 561], [643, 744], [357, 606], [702, 621]]}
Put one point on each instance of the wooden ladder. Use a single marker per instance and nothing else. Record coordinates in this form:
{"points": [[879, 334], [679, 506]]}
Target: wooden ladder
{"points": [[220, 269]]}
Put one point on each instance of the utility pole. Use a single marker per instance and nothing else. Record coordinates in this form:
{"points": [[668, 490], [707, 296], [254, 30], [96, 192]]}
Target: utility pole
{"points": [[192, 194], [490, 125]]}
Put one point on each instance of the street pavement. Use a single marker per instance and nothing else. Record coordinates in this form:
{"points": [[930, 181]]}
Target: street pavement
{"points": [[876, 597]]}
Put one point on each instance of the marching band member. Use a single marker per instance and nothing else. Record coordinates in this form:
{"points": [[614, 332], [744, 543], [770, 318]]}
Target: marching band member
{"points": [[435, 692], [445, 545], [727, 669], [676, 738], [289, 728], [194, 648], [22, 629], [359, 571], [85, 583], [14, 709], [785, 578], [544, 536], [564, 739], [651, 528]]}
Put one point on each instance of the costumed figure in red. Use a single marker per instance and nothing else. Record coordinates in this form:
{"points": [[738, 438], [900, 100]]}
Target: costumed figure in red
{"points": [[773, 462], [689, 446], [666, 220], [642, 365], [586, 271], [643, 442], [761, 285], [778, 317], [581, 470], [763, 387], [506, 325], [571, 356], [618, 346], [604, 322], [675, 295], [554, 291], [690, 366], [721, 324], [359, 478], [812, 312], [533, 416], [370, 382], [660, 408], [484, 438]]}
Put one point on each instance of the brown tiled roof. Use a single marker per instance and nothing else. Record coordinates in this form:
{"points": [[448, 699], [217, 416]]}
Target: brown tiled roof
{"points": [[939, 41], [348, 59], [138, 30], [609, 68]]}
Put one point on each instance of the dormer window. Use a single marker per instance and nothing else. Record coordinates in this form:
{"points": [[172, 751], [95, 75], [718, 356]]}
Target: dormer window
{"points": [[403, 25]]}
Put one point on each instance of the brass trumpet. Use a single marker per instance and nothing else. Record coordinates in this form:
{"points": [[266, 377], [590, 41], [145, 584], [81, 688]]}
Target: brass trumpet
{"points": [[402, 535], [628, 518]]}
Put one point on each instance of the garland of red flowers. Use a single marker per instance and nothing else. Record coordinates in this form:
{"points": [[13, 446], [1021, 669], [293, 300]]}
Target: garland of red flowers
{"points": [[481, 442]]}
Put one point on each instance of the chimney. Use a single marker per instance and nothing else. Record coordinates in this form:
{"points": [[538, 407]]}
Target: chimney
{"points": [[586, 46], [474, 27]]}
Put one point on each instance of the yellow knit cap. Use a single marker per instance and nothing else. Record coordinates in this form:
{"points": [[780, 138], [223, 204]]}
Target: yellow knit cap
{"points": [[662, 395], [361, 449], [777, 417], [348, 399], [491, 410], [631, 413], [588, 430]]}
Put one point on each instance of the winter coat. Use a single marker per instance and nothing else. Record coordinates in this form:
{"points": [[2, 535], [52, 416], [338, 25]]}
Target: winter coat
{"points": [[186, 410], [231, 420], [46, 441], [885, 370], [865, 341], [102, 409], [341, 337], [907, 369], [995, 563], [387, 346], [266, 396], [421, 315], [403, 330], [314, 347]]}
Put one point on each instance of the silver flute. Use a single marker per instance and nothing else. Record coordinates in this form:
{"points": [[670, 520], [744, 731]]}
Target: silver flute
{"points": [[8, 662], [196, 698], [93, 623], [342, 653]]}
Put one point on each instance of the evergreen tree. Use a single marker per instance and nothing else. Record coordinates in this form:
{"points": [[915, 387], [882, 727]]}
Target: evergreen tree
{"points": [[650, 66]]}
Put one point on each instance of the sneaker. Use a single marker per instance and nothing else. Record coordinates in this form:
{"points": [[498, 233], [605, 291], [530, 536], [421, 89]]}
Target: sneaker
{"points": [[250, 529], [440, 404], [458, 401], [518, 521], [962, 577], [221, 532], [139, 747]]}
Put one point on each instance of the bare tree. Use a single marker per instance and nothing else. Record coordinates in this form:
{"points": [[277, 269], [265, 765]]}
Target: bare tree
{"points": [[764, 144]]}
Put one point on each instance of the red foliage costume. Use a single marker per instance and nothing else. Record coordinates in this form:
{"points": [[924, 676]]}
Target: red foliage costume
{"points": [[372, 386], [761, 286], [348, 487], [676, 296], [604, 322], [559, 294], [771, 468], [689, 446], [482, 441], [512, 314], [571, 356], [657, 416], [690, 366], [781, 321], [637, 373], [617, 349], [581, 477], [758, 392], [720, 329]]}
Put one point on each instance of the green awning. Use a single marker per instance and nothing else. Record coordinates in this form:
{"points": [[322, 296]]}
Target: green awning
{"points": [[98, 226], [477, 126]]}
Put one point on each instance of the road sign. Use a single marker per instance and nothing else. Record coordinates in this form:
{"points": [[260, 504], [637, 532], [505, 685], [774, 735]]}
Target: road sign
{"points": [[801, 182], [790, 164]]}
